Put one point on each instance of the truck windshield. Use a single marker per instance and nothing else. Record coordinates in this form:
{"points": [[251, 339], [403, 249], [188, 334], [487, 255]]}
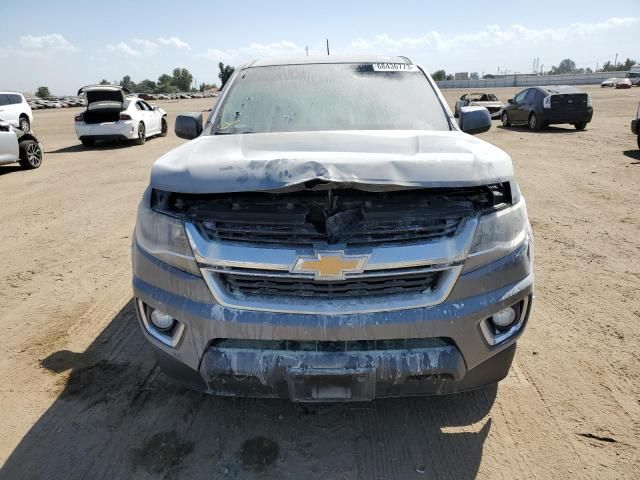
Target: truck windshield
{"points": [[314, 97]]}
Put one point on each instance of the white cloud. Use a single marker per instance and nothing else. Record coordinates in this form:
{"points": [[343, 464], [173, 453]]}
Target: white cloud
{"points": [[255, 50], [174, 42], [123, 48], [493, 35], [148, 47], [51, 41]]}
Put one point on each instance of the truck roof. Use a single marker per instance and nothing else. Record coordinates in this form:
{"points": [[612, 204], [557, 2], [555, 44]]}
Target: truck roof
{"points": [[320, 59]]}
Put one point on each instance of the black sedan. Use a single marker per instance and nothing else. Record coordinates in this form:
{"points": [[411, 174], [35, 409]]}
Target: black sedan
{"points": [[539, 107]]}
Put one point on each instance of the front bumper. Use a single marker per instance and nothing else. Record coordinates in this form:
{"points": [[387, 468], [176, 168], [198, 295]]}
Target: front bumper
{"points": [[459, 358]]}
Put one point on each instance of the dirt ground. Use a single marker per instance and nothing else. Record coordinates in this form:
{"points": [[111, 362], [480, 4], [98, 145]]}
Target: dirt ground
{"points": [[81, 396]]}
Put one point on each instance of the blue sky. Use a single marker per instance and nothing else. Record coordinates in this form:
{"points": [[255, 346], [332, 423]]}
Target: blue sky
{"points": [[65, 45]]}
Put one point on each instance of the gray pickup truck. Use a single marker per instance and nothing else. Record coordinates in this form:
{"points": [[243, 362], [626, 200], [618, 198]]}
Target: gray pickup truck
{"points": [[331, 234]]}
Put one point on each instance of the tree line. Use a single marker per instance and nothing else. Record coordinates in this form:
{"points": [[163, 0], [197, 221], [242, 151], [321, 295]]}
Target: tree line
{"points": [[180, 80]]}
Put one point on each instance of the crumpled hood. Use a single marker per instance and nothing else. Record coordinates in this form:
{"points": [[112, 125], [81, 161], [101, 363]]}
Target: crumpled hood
{"points": [[270, 161]]}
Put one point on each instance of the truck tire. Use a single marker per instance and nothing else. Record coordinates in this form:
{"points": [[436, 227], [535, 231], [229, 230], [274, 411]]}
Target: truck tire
{"points": [[580, 125], [88, 142], [30, 154]]}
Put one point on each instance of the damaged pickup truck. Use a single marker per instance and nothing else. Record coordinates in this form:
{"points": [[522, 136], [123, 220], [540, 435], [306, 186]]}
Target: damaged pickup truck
{"points": [[332, 235]]}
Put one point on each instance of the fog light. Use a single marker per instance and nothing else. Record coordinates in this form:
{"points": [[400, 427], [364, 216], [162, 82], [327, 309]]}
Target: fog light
{"points": [[162, 321], [504, 318]]}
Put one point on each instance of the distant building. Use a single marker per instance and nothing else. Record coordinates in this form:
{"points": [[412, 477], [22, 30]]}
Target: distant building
{"points": [[474, 76], [461, 76]]}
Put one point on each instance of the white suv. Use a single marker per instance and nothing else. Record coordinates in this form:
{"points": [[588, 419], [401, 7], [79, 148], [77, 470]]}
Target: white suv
{"points": [[15, 110]]}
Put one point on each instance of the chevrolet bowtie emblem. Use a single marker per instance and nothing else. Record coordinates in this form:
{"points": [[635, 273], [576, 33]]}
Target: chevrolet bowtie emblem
{"points": [[330, 265]]}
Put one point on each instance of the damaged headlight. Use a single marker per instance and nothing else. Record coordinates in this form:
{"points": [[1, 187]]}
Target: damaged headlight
{"points": [[498, 234], [164, 237]]}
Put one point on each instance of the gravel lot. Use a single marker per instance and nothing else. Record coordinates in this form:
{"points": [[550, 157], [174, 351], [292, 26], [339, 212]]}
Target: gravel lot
{"points": [[82, 397]]}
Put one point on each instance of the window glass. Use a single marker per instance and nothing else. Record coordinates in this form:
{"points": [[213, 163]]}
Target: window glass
{"points": [[314, 97], [520, 97], [4, 99]]}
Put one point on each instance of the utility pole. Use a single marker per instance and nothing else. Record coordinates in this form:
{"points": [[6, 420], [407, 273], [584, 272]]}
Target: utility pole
{"points": [[615, 64], [327, 46], [307, 50]]}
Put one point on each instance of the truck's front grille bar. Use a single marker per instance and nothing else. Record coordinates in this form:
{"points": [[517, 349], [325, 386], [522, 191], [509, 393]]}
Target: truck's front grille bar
{"points": [[391, 284]]}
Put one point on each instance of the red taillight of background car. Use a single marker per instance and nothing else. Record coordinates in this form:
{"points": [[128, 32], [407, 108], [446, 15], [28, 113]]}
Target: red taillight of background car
{"points": [[124, 116], [78, 118]]}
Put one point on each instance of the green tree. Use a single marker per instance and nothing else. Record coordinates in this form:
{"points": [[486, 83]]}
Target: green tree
{"points": [[146, 86], [626, 66], [104, 81], [225, 73], [566, 66], [439, 75], [127, 83], [43, 92], [182, 79]]}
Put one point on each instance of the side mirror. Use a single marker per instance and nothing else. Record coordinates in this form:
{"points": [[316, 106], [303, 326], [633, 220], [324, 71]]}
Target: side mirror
{"points": [[510, 100], [155, 107], [189, 125], [474, 120]]}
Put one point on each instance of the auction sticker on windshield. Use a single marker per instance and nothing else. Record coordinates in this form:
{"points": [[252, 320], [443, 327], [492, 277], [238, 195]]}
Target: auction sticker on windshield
{"points": [[394, 67]]}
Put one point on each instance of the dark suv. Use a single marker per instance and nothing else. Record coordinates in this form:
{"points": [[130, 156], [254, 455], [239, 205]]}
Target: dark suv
{"points": [[539, 107]]}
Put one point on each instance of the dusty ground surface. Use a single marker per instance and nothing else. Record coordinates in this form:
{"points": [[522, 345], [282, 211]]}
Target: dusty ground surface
{"points": [[81, 396]]}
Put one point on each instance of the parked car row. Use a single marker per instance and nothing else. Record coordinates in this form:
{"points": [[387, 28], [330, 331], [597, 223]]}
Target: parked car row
{"points": [[176, 96], [64, 102]]}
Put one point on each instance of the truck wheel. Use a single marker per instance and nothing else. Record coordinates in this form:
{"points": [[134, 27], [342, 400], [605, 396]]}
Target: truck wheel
{"points": [[580, 125], [88, 142], [534, 123], [505, 120], [142, 134], [30, 154], [164, 127], [25, 124]]}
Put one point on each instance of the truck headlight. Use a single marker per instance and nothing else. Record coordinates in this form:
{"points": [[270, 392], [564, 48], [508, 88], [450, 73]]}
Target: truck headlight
{"points": [[164, 237], [498, 234]]}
